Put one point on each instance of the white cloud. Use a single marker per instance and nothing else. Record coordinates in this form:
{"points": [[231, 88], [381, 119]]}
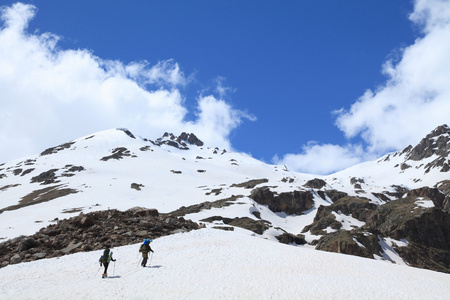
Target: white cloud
{"points": [[322, 159], [414, 100], [49, 95], [416, 96]]}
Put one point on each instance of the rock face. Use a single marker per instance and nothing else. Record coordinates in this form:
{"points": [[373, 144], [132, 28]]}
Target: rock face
{"points": [[92, 231], [427, 230], [419, 219], [180, 142], [292, 203], [436, 143], [315, 183], [358, 208]]}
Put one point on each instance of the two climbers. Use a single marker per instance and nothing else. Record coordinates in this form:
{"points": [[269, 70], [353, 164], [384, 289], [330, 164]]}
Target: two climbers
{"points": [[145, 249], [107, 256], [105, 259]]}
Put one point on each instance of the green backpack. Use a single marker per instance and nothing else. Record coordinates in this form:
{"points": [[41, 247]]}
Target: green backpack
{"points": [[106, 257]]}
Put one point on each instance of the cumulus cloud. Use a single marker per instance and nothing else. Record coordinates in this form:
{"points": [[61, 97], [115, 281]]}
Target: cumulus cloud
{"points": [[413, 101], [416, 96], [323, 159], [49, 95]]}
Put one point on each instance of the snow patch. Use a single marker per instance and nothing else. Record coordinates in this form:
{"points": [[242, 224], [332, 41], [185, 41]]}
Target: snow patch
{"points": [[421, 202]]}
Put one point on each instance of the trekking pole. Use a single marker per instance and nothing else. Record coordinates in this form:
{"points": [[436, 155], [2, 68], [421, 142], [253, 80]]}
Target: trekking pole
{"points": [[139, 262], [150, 263]]}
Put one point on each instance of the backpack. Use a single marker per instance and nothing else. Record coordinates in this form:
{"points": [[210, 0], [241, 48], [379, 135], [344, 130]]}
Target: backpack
{"points": [[106, 257]]}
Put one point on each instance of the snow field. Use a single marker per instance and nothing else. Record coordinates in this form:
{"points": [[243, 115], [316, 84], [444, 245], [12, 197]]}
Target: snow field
{"points": [[215, 264]]}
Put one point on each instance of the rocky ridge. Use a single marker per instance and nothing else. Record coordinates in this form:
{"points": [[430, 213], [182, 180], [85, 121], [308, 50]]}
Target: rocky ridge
{"points": [[92, 231]]}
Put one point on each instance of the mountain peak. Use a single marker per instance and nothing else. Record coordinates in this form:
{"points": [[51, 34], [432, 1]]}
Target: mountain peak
{"points": [[180, 142], [435, 143]]}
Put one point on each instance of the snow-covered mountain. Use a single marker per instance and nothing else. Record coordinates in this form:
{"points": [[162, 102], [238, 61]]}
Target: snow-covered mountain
{"points": [[394, 209]]}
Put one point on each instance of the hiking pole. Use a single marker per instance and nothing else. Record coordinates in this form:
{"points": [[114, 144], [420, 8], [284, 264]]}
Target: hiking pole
{"points": [[139, 262], [150, 263]]}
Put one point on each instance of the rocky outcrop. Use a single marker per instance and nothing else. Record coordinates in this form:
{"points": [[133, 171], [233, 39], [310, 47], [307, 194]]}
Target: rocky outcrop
{"points": [[334, 195], [250, 184], [427, 230], [315, 183], [257, 226], [40, 196], [92, 231], [350, 242], [185, 210], [117, 153], [292, 203], [358, 208], [437, 142], [288, 238], [180, 142], [419, 218], [57, 148]]}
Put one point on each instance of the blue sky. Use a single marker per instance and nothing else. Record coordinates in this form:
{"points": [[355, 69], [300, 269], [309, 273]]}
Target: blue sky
{"points": [[316, 85]]}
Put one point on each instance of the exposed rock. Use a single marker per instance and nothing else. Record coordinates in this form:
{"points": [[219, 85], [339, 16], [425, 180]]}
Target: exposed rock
{"points": [[437, 142], [404, 166], [179, 142], [292, 203], [72, 246], [182, 211], [250, 184], [344, 241], [15, 259], [316, 183], [57, 148], [257, 226], [334, 195], [144, 212], [136, 186], [117, 153], [47, 177], [39, 196], [431, 193], [225, 228], [214, 191], [127, 132], [358, 208], [426, 229], [79, 234], [355, 180], [190, 138], [288, 238], [26, 244]]}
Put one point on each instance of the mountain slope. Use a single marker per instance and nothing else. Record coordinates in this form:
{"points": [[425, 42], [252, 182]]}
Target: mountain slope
{"points": [[214, 264], [345, 212]]}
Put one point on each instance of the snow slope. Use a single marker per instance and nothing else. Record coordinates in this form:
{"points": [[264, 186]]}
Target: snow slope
{"points": [[171, 178], [214, 264]]}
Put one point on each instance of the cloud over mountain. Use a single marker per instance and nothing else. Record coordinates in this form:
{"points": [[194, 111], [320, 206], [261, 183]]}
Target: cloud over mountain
{"points": [[50, 94]]}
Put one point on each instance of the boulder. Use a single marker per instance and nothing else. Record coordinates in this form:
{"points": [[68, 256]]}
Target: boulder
{"points": [[72, 246], [315, 183], [15, 259], [26, 244]]}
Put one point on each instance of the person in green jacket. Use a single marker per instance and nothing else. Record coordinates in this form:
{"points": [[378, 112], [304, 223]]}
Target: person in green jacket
{"points": [[145, 249], [105, 259]]}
